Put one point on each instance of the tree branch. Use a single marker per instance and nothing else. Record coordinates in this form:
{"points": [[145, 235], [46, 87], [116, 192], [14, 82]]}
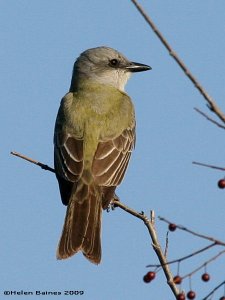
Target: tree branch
{"points": [[208, 118], [208, 166], [209, 238], [155, 244], [178, 260], [210, 102], [43, 166], [204, 264]]}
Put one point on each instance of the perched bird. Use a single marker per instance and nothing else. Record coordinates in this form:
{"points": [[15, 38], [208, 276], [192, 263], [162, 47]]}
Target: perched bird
{"points": [[93, 140]]}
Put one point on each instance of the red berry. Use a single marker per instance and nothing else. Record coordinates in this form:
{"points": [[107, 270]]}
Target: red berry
{"points": [[205, 277], [191, 295], [146, 279], [222, 298], [221, 183], [177, 279], [151, 275], [173, 227], [181, 296]]}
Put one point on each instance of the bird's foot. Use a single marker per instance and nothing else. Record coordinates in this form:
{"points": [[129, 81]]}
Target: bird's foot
{"points": [[112, 205]]}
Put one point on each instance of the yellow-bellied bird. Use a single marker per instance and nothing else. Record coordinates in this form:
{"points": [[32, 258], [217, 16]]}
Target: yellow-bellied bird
{"points": [[94, 137]]}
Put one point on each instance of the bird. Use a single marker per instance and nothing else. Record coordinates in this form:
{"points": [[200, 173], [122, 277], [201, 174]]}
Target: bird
{"points": [[93, 139]]}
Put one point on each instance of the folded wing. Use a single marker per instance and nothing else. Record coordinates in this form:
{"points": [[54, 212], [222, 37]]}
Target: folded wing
{"points": [[112, 157]]}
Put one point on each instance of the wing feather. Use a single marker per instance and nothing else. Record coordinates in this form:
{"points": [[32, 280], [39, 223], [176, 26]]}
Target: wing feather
{"points": [[68, 160], [103, 165], [111, 158], [69, 157]]}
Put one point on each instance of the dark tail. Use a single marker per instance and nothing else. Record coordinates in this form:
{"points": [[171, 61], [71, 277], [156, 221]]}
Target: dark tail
{"points": [[82, 226]]}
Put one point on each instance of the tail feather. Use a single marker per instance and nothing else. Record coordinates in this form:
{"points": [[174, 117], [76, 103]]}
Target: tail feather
{"points": [[82, 226], [92, 242]]}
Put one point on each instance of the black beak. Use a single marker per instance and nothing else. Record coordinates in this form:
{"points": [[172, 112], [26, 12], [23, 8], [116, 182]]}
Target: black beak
{"points": [[137, 67]]}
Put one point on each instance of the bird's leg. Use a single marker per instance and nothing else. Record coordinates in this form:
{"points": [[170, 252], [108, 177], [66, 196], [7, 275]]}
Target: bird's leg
{"points": [[112, 205]]}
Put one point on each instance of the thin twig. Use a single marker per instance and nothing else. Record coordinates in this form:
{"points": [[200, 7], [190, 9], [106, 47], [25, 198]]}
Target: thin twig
{"points": [[208, 166], [43, 166], [201, 266], [216, 288], [211, 103], [178, 260], [208, 118], [209, 238], [167, 244], [152, 217]]}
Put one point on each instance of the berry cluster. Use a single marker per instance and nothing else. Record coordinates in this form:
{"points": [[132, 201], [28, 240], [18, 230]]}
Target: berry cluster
{"points": [[191, 294]]}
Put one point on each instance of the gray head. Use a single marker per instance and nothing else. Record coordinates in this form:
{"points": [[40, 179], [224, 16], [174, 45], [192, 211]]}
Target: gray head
{"points": [[106, 66]]}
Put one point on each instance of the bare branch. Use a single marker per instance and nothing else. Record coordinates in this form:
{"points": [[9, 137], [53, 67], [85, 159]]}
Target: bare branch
{"points": [[211, 103], [178, 260], [167, 244], [155, 244], [152, 217], [43, 166], [209, 238], [209, 119], [208, 166], [201, 266]]}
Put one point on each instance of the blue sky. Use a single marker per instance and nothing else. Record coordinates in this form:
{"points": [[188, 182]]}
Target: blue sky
{"points": [[39, 42]]}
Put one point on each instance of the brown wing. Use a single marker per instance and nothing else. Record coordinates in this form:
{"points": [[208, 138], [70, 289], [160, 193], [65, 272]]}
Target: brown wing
{"points": [[68, 160], [112, 157]]}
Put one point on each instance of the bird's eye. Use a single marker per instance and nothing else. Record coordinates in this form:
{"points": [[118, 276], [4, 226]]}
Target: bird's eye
{"points": [[114, 62]]}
